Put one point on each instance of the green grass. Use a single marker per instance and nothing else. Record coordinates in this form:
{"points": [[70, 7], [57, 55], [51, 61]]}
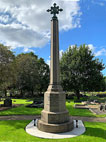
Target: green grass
{"points": [[22, 110], [77, 112], [19, 101], [80, 112], [1, 102], [14, 131]]}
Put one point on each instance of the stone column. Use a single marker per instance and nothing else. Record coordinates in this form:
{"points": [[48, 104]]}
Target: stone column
{"points": [[54, 117], [54, 64]]}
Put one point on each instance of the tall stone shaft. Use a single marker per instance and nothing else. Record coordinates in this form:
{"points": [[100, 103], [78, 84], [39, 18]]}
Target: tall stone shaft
{"points": [[54, 64], [54, 117]]}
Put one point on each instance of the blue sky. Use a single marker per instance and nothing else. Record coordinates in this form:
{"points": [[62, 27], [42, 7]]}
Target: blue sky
{"points": [[25, 26]]}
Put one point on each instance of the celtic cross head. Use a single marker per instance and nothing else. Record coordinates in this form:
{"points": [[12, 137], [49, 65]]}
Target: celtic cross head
{"points": [[54, 10]]}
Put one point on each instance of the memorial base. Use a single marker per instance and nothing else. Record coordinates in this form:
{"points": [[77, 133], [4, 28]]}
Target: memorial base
{"points": [[55, 117], [55, 128]]}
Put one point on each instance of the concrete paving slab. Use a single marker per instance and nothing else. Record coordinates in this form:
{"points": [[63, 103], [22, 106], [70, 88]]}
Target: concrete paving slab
{"points": [[33, 130]]}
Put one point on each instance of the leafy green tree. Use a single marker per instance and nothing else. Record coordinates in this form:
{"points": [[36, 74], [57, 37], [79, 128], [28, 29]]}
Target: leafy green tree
{"points": [[32, 74], [103, 84], [26, 72], [80, 70], [6, 69], [43, 71]]}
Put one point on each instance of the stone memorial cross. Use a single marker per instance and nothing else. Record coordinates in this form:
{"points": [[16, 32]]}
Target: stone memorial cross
{"points": [[54, 10], [55, 117]]}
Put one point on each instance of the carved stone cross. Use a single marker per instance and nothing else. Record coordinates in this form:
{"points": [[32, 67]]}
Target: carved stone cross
{"points": [[55, 117], [54, 10]]}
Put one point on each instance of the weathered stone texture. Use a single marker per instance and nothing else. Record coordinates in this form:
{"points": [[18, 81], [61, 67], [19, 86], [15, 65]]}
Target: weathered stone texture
{"points": [[54, 117]]}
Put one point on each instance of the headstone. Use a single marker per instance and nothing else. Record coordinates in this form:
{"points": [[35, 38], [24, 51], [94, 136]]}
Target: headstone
{"points": [[55, 117], [36, 104], [105, 107], [96, 101], [101, 107], [7, 102]]}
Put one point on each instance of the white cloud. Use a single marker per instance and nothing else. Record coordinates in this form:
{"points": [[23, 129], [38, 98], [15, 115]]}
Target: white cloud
{"points": [[4, 18], [96, 51], [48, 62], [71, 0], [19, 37], [99, 2], [91, 47], [61, 53], [26, 50], [27, 24], [101, 52], [72, 46]]}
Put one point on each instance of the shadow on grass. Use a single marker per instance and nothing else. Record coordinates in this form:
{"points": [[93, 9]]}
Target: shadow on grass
{"points": [[78, 112], [81, 112], [15, 124], [95, 132], [22, 110]]}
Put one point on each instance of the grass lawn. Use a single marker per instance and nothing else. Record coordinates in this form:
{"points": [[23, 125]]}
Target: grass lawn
{"points": [[22, 110], [80, 112], [20, 101], [14, 131]]}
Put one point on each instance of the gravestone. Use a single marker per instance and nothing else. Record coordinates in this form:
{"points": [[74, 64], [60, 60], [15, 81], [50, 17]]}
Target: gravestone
{"points": [[55, 117], [36, 104], [7, 102], [105, 107]]}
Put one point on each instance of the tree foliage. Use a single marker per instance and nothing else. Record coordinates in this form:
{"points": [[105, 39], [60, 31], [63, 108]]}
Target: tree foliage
{"points": [[24, 72], [103, 84], [80, 70], [6, 67], [32, 73], [43, 71]]}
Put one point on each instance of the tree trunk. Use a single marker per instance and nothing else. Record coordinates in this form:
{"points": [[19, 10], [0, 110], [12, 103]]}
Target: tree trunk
{"points": [[78, 94], [40, 90], [10, 94], [21, 93], [32, 92], [5, 92]]}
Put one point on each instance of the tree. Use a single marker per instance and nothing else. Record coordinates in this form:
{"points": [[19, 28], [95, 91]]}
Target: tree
{"points": [[80, 70], [32, 74], [43, 71], [6, 70], [103, 84], [26, 72]]}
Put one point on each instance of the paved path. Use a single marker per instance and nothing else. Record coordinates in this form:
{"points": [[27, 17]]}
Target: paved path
{"points": [[19, 117], [31, 117], [90, 119]]}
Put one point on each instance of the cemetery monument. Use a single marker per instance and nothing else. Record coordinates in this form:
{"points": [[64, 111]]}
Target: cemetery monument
{"points": [[55, 117]]}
